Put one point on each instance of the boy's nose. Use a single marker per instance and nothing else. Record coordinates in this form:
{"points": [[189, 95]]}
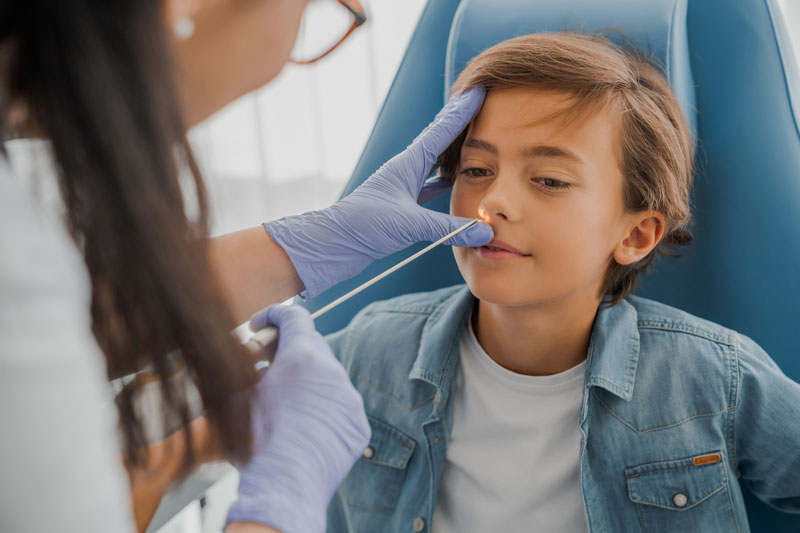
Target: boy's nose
{"points": [[499, 202], [490, 218]]}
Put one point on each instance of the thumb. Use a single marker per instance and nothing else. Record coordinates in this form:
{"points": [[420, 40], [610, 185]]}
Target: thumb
{"points": [[290, 319], [440, 224], [446, 126]]}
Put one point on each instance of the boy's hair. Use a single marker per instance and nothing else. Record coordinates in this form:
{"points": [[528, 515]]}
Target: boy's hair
{"points": [[657, 154]]}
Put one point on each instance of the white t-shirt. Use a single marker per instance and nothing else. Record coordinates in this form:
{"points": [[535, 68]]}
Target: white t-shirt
{"points": [[512, 462], [59, 452]]}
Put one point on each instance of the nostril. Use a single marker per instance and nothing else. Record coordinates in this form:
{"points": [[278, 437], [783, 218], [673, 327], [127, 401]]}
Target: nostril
{"points": [[483, 213]]}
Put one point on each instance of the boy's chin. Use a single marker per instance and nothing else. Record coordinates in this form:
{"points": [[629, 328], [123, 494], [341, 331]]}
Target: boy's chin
{"points": [[498, 292]]}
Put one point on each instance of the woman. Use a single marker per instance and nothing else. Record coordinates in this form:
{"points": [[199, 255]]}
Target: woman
{"points": [[96, 80]]}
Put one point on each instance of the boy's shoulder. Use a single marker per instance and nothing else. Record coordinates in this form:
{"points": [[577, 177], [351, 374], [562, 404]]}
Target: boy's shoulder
{"points": [[656, 316], [393, 330], [659, 318], [381, 345], [675, 366], [443, 306], [404, 316]]}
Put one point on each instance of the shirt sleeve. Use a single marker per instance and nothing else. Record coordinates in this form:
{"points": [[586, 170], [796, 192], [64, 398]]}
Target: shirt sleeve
{"points": [[767, 429], [59, 450]]}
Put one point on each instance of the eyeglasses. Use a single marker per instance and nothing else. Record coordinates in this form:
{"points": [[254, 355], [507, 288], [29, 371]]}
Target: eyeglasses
{"points": [[324, 27]]}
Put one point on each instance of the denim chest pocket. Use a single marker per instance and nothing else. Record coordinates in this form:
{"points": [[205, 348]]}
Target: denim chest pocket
{"points": [[375, 481], [688, 494]]}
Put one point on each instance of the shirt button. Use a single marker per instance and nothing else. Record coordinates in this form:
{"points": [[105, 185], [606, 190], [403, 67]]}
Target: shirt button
{"points": [[680, 499], [369, 453], [419, 524]]}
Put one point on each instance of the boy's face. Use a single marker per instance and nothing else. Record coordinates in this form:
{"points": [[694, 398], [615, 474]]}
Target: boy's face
{"points": [[552, 191]]}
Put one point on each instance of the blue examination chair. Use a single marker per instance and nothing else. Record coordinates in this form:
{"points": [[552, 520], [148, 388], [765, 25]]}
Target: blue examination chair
{"points": [[731, 66]]}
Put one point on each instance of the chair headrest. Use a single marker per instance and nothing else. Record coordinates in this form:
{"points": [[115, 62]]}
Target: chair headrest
{"points": [[654, 27]]}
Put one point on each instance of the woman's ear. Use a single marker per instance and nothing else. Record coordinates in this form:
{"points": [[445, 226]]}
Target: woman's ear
{"points": [[646, 229], [175, 10]]}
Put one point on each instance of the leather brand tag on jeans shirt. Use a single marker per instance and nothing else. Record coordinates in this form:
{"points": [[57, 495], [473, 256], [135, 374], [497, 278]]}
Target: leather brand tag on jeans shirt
{"points": [[709, 459]]}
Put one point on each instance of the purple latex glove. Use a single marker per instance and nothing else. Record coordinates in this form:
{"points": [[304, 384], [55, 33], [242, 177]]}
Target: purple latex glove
{"points": [[309, 428], [432, 188], [382, 215]]}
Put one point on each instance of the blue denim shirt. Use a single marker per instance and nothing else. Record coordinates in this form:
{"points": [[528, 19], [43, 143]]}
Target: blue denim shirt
{"points": [[676, 413]]}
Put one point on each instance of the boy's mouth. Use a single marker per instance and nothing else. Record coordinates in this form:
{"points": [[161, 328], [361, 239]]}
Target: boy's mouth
{"points": [[497, 249]]}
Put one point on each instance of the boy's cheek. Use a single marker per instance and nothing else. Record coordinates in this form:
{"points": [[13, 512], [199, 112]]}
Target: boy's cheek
{"points": [[463, 205], [460, 254], [465, 201]]}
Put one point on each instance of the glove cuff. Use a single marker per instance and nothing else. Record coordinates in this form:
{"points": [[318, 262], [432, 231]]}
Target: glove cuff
{"points": [[276, 230], [317, 249]]}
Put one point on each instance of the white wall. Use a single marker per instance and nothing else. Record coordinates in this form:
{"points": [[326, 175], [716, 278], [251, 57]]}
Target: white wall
{"points": [[788, 29], [791, 10]]}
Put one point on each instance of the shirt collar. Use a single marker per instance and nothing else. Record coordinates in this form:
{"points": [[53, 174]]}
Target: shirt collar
{"points": [[611, 360], [438, 349], [614, 350]]}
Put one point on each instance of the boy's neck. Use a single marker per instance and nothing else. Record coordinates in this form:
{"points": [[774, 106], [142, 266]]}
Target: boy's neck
{"points": [[536, 340]]}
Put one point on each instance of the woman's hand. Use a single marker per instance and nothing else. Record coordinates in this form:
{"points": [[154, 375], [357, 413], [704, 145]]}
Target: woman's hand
{"points": [[165, 462], [382, 215], [309, 428]]}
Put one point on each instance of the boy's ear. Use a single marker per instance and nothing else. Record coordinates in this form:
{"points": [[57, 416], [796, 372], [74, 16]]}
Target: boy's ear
{"points": [[645, 230]]}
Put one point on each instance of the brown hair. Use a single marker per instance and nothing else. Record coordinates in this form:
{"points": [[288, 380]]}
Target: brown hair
{"points": [[657, 152]]}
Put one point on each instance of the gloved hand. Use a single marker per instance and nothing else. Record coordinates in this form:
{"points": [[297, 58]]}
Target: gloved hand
{"points": [[382, 215], [309, 428]]}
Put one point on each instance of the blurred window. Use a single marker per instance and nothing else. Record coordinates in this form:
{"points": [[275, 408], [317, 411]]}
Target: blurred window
{"points": [[786, 19], [291, 146]]}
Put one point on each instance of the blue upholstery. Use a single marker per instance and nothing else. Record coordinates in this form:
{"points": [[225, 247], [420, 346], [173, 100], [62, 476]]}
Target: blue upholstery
{"points": [[726, 59], [657, 27]]}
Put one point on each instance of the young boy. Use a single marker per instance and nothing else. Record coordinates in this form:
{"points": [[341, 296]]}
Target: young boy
{"points": [[544, 396]]}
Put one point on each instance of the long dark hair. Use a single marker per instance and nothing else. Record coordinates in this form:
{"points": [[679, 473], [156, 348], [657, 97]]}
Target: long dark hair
{"points": [[95, 77]]}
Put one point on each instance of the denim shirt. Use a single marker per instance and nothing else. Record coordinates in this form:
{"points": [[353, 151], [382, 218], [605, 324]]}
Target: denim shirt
{"points": [[676, 413]]}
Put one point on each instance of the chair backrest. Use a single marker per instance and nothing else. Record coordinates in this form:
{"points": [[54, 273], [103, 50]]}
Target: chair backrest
{"points": [[732, 68]]}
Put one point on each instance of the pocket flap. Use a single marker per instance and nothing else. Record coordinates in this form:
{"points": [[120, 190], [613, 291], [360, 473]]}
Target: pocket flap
{"points": [[389, 446], [678, 484]]}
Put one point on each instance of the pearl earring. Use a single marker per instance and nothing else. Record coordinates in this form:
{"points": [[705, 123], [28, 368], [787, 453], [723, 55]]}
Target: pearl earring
{"points": [[183, 28]]}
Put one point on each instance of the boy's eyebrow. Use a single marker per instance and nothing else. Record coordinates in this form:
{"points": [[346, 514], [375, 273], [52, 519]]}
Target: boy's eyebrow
{"points": [[530, 151], [480, 145], [551, 151]]}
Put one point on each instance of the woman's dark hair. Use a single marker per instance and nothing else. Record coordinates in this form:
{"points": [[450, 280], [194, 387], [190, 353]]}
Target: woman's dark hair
{"points": [[95, 77]]}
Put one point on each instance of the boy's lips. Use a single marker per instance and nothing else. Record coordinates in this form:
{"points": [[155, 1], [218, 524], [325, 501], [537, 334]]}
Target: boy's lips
{"points": [[497, 249]]}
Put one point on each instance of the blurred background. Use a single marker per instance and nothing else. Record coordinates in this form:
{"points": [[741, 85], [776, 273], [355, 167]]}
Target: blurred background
{"points": [[291, 146]]}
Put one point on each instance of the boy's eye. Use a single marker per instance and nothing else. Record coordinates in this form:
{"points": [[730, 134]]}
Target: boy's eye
{"points": [[475, 172], [551, 183]]}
